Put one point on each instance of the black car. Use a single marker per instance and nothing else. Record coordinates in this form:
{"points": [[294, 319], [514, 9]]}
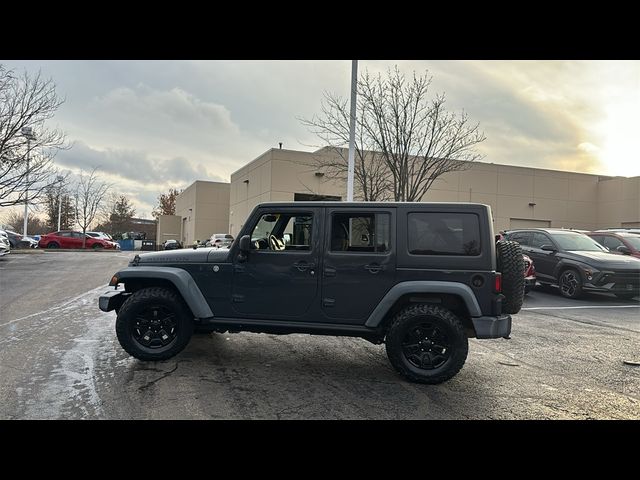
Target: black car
{"points": [[420, 277], [577, 263], [172, 245]]}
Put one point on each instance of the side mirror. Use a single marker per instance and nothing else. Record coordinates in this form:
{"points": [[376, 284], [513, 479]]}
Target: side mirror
{"points": [[624, 250], [548, 248], [244, 245]]}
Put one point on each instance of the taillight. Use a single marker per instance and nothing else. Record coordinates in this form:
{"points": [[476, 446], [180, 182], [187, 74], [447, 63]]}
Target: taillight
{"points": [[497, 286]]}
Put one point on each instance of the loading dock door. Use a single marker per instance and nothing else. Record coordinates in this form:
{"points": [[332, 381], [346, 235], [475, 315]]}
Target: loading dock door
{"points": [[529, 223]]}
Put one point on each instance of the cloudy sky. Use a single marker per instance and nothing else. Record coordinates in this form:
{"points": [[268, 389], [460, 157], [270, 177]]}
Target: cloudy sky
{"points": [[152, 125]]}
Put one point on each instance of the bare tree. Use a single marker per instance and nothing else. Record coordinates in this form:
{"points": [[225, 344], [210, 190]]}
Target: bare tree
{"points": [[89, 195], [34, 223], [332, 126], [166, 203], [57, 202], [119, 215], [26, 167], [405, 141]]}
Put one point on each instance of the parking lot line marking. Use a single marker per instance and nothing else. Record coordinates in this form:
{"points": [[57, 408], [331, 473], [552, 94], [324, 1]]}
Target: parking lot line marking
{"points": [[581, 306]]}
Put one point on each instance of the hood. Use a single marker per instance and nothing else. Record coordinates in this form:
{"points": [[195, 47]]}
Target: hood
{"points": [[184, 255], [604, 260]]}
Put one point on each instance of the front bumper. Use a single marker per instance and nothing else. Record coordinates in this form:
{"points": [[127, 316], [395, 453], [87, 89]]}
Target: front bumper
{"points": [[529, 283], [112, 300], [492, 327], [613, 282]]}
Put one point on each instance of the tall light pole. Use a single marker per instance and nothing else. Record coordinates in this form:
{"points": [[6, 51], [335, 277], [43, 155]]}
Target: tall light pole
{"points": [[352, 130], [60, 179], [27, 132]]}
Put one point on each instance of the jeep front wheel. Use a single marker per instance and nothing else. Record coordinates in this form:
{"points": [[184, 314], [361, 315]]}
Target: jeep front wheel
{"points": [[427, 344], [154, 324]]}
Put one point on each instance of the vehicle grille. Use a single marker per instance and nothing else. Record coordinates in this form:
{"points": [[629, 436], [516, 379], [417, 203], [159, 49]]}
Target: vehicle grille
{"points": [[632, 278]]}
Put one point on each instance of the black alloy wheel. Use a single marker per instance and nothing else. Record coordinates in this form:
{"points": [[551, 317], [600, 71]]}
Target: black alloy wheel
{"points": [[426, 346], [154, 327], [570, 284]]}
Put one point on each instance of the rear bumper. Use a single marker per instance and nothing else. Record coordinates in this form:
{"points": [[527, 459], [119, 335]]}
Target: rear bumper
{"points": [[492, 327]]}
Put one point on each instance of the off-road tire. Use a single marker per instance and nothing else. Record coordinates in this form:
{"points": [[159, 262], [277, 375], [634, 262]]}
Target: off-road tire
{"points": [[135, 305], [444, 319], [566, 276], [511, 264]]}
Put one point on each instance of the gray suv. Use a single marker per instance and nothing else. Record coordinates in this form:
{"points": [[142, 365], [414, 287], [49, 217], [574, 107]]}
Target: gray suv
{"points": [[421, 278]]}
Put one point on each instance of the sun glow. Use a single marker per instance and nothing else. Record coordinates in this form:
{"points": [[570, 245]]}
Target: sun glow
{"points": [[621, 146]]}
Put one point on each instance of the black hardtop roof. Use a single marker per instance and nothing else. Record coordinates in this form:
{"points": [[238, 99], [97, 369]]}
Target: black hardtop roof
{"points": [[368, 204]]}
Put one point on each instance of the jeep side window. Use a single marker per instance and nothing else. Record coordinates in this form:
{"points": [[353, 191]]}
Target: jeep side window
{"points": [[283, 231], [443, 233], [360, 232]]}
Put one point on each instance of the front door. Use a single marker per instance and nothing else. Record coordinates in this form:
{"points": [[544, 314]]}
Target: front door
{"points": [[544, 260], [359, 262], [279, 278]]}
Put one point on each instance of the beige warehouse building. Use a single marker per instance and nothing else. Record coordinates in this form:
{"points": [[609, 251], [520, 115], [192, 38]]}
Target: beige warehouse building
{"points": [[518, 196], [203, 208]]}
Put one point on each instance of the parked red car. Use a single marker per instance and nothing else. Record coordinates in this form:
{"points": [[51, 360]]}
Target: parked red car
{"points": [[529, 274], [69, 239], [620, 242]]}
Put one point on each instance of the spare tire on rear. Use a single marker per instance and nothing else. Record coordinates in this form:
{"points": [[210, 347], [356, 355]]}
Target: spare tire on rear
{"points": [[511, 265]]}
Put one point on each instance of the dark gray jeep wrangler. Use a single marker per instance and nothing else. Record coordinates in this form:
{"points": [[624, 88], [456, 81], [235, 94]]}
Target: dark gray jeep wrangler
{"points": [[420, 277]]}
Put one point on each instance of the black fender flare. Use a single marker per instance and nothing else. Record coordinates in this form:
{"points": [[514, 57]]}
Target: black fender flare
{"points": [[423, 286], [179, 278]]}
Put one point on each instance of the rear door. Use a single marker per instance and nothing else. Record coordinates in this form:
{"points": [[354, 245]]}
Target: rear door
{"points": [[359, 262]]}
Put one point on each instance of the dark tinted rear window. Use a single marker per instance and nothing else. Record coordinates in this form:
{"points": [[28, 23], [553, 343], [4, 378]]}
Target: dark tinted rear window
{"points": [[442, 233]]}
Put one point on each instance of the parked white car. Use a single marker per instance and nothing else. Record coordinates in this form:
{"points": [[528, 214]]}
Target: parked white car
{"points": [[220, 240], [101, 235], [5, 246]]}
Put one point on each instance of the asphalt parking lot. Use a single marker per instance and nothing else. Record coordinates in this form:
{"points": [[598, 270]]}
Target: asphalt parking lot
{"points": [[59, 358]]}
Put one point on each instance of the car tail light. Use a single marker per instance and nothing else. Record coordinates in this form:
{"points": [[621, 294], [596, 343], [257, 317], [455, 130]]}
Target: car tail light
{"points": [[497, 286]]}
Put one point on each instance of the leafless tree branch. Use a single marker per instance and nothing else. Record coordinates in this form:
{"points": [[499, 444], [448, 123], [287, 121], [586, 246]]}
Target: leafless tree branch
{"points": [[26, 168], [404, 140]]}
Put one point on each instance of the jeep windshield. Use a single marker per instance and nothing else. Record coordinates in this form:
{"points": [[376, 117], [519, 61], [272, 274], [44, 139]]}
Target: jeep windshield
{"points": [[577, 242]]}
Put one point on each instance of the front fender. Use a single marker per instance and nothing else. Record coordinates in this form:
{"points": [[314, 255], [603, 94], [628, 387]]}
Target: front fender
{"points": [[179, 278]]}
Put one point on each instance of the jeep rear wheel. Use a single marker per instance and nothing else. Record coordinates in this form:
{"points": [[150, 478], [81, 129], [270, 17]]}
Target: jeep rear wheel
{"points": [[154, 324], [510, 264], [427, 344]]}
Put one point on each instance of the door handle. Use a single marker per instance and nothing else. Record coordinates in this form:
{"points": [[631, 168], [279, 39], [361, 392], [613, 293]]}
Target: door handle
{"points": [[374, 268], [329, 272], [302, 266]]}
